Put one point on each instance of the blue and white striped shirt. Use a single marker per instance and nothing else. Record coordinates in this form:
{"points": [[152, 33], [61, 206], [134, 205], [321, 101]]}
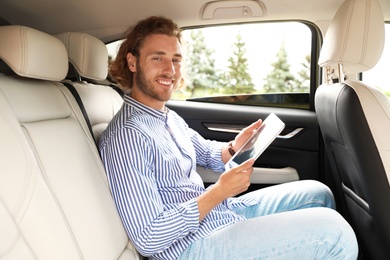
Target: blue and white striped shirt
{"points": [[150, 158]]}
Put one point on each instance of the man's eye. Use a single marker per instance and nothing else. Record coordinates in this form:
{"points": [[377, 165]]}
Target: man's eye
{"points": [[176, 61]]}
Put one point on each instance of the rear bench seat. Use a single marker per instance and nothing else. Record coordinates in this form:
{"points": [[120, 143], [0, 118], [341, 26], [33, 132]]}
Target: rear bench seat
{"points": [[88, 59], [54, 199]]}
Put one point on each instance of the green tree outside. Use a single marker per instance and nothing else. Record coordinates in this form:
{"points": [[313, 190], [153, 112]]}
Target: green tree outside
{"points": [[237, 80], [303, 80], [280, 79], [202, 78]]}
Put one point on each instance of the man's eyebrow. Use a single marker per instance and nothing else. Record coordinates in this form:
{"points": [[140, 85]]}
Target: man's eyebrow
{"points": [[164, 53], [178, 55], [158, 53]]}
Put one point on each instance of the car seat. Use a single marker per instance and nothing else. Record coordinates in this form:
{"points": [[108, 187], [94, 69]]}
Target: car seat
{"points": [[54, 199], [354, 119], [88, 59]]}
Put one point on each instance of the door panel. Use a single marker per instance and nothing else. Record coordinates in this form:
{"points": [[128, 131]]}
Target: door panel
{"points": [[295, 157]]}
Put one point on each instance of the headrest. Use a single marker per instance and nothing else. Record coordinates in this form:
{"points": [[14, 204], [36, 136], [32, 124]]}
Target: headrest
{"points": [[33, 54], [355, 37], [87, 54]]}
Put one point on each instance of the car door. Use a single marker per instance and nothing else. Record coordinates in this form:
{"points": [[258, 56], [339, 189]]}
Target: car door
{"points": [[295, 153]]}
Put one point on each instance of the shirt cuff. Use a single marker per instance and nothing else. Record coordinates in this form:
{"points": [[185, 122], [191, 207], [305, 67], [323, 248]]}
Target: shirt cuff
{"points": [[190, 214], [216, 157]]}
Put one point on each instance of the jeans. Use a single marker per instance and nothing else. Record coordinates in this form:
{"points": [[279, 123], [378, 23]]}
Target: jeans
{"points": [[291, 221]]}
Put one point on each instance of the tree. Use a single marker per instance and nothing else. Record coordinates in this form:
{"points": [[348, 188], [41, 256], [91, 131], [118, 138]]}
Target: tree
{"points": [[237, 79], [303, 80], [200, 66], [280, 79]]}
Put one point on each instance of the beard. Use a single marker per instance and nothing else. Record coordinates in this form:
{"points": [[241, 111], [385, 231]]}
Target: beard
{"points": [[146, 86]]}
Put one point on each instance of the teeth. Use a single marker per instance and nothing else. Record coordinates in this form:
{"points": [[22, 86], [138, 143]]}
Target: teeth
{"points": [[165, 82]]}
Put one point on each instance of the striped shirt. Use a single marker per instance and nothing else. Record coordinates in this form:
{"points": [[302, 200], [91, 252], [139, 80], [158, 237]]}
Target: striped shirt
{"points": [[150, 157]]}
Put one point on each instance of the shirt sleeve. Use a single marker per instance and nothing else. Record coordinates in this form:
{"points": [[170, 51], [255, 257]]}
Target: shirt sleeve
{"points": [[208, 152], [149, 224]]}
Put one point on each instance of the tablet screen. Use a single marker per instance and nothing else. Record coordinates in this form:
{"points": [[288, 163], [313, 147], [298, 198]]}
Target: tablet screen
{"points": [[271, 127]]}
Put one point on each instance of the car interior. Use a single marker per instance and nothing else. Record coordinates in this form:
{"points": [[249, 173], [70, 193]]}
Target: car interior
{"points": [[57, 97]]}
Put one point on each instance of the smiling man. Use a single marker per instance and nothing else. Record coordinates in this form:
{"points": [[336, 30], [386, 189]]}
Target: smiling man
{"points": [[150, 155], [163, 66]]}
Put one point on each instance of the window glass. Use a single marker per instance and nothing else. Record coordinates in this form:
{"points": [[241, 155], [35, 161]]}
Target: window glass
{"points": [[253, 64], [247, 59], [378, 76]]}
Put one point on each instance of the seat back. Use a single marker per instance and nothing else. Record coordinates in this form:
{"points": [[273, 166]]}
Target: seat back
{"points": [[88, 59], [355, 121], [54, 198]]}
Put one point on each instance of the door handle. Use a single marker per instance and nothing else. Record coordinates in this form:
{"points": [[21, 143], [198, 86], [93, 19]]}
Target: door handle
{"points": [[235, 129], [291, 134]]}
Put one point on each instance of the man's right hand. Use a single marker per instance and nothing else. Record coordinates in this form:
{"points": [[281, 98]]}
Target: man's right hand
{"points": [[230, 183], [237, 179]]}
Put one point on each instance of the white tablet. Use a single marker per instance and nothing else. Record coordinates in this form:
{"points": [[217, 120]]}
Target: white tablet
{"points": [[271, 127]]}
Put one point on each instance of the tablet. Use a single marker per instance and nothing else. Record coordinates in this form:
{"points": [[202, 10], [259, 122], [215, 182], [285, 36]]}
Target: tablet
{"points": [[261, 138]]}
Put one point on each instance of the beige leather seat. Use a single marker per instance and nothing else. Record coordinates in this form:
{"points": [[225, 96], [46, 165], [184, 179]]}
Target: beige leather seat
{"points": [[355, 122], [88, 58], [54, 199]]}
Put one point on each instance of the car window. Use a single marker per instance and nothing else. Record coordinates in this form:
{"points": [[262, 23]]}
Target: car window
{"points": [[378, 76], [265, 64], [252, 64]]}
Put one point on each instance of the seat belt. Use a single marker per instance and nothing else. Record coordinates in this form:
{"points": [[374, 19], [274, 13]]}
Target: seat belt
{"points": [[76, 95], [117, 89]]}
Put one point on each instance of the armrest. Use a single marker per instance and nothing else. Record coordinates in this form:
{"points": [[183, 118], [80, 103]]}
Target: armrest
{"points": [[259, 176]]}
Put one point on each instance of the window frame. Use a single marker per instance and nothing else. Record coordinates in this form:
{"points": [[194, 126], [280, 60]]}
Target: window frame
{"points": [[283, 100]]}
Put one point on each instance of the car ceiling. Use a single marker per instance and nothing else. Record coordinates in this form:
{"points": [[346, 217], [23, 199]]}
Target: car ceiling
{"points": [[108, 19]]}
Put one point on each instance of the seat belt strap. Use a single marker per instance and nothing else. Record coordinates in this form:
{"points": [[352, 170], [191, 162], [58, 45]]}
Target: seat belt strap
{"points": [[76, 95], [117, 89]]}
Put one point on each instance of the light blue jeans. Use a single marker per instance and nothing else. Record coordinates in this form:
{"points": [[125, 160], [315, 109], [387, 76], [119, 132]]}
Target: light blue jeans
{"points": [[291, 221]]}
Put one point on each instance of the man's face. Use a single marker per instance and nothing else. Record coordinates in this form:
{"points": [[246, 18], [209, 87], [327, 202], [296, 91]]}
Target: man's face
{"points": [[157, 70]]}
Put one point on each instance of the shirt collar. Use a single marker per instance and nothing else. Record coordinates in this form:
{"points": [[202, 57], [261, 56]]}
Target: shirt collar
{"points": [[148, 110]]}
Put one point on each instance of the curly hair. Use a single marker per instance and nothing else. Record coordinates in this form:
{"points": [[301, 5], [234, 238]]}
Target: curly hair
{"points": [[134, 39]]}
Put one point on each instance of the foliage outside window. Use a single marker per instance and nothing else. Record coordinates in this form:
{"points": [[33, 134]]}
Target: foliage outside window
{"points": [[252, 64], [247, 60]]}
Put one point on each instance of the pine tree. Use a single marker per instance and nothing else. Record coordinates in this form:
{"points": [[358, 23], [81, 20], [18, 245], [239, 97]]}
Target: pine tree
{"points": [[237, 79], [303, 80], [280, 79], [200, 66]]}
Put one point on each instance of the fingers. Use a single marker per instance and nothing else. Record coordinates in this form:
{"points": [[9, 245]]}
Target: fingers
{"points": [[256, 124], [253, 126], [245, 166], [245, 133], [237, 179]]}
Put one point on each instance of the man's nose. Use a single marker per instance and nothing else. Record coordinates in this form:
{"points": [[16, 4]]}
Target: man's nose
{"points": [[169, 68]]}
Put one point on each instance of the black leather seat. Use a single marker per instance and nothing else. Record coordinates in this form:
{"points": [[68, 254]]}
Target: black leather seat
{"points": [[355, 123]]}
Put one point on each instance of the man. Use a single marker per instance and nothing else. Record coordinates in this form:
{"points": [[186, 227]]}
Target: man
{"points": [[150, 155]]}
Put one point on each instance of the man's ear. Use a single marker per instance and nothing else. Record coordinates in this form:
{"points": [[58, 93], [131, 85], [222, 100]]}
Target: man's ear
{"points": [[131, 61]]}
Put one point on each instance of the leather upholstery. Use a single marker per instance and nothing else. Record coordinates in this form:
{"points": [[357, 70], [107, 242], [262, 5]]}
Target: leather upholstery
{"points": [[354, 119], [88, 54], [101, 104], [90, 58], [355, 37], [54, 199], [19, 48]]}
